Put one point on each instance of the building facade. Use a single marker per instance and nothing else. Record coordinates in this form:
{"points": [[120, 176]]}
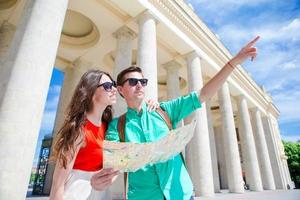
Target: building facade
{"points": [[237, 138]]}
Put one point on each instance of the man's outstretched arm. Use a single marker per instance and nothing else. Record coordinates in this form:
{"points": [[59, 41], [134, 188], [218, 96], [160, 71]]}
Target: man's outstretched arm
{"points": [[209, 89]]}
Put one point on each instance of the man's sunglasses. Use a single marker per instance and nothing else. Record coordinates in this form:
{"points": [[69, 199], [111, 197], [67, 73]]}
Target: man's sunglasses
{"points": [[134, 81], [108, 85]]}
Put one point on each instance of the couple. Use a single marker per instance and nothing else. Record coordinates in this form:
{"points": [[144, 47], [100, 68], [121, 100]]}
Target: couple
{"points": [[78, 145]]}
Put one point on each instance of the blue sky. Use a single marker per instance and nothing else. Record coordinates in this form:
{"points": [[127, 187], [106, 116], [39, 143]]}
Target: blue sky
{"points": [[50, 109], [277, 66]]}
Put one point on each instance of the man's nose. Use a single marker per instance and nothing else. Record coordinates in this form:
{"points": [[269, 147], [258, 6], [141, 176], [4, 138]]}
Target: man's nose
{"points": [[139, 85]]}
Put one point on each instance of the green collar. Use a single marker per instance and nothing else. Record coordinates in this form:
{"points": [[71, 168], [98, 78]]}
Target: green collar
{"points": [[134, 112]]}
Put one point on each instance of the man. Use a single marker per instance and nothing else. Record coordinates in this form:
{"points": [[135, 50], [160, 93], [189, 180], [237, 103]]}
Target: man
{"points": [[168, 180]]}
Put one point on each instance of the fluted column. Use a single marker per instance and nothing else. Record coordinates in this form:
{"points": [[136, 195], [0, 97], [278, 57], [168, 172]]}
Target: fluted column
{"points": [[212, 142], [262, 151], [284, 165], [24, 82], [221, 157], [250, 160], [147, 52], [7, 31], [123, 58], [197, 153], [233, 164], [273, 152], [173, 84], [279, 151], [72, 75], [288, 174]]}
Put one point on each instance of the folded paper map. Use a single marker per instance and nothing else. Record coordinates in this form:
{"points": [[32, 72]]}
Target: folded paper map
{"points": [[129, 157]]}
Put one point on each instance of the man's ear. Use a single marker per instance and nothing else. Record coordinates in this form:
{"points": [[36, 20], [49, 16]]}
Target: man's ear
{"points": [[120, 90]]}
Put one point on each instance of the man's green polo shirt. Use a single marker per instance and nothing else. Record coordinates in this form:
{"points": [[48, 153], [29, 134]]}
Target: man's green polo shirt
{"points": [[169, 179]]}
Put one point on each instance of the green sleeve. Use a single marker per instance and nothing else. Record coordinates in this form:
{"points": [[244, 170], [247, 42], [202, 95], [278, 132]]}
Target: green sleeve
{"points": [[181, 107], [112, 131]]}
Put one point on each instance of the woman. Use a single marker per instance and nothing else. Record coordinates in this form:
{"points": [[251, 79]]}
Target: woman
{"points": [[78, 145]]}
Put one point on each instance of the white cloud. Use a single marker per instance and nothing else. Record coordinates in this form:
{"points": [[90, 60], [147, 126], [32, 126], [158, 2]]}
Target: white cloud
{"points": [[292, 30], [289, 65], [219, 5], [218, 11], [48, 121], [277, 49], [52, 101], [270, 33], [55, 89], [272, 86], [280, 31], [290, 138], [277, 66], [288, 104]]}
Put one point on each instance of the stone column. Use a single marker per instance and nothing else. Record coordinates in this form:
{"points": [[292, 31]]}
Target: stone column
{"points": [[262, 151], [72, 75], [250, 160], [221, 157], [289, 180], [7, 31], [123, 58], [147, 52], [286, 179], [233, 164], [198, 158], [173, 85], [273, 152], [24, 82], [279, 150], [285, 170], [212, 142]]}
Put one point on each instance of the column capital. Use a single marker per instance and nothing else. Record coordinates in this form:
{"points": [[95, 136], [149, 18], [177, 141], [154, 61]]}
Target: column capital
{"points": [[172, 65], [255, 109], [267, 116], [241, 97], [191, 55], [145, 16], [81, 64], [126, 32]]}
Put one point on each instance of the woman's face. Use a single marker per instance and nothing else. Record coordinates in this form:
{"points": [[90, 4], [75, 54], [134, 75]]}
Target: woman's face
{"points": [[105, 94]]}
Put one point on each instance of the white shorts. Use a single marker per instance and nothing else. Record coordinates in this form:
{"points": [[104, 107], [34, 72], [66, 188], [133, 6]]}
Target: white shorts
{"points": [[78, 187]]}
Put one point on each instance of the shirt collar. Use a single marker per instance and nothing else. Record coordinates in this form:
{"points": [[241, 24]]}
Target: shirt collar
{"points": [[134, 112]]}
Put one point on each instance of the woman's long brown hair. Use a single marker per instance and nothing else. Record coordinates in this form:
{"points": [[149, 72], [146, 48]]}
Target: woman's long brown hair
{"points": [[81, 103]]}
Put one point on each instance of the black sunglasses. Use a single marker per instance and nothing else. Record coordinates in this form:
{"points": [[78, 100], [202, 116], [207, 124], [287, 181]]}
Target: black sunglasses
{"points": [[134, 81], [108, 85]]}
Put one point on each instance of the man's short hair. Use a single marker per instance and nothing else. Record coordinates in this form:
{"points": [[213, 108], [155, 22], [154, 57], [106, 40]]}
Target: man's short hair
{"points": [[121, 75]]}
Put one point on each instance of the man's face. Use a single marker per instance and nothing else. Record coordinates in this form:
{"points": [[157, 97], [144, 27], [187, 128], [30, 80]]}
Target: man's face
{"points": [[132, 90]]}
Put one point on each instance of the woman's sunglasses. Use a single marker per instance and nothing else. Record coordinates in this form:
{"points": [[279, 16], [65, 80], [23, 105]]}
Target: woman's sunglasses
{"points": [[134, 81], [108, 85]]}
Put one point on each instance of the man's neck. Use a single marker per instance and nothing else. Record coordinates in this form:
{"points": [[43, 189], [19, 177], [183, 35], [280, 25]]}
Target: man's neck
{"points": [[135, 105]]}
